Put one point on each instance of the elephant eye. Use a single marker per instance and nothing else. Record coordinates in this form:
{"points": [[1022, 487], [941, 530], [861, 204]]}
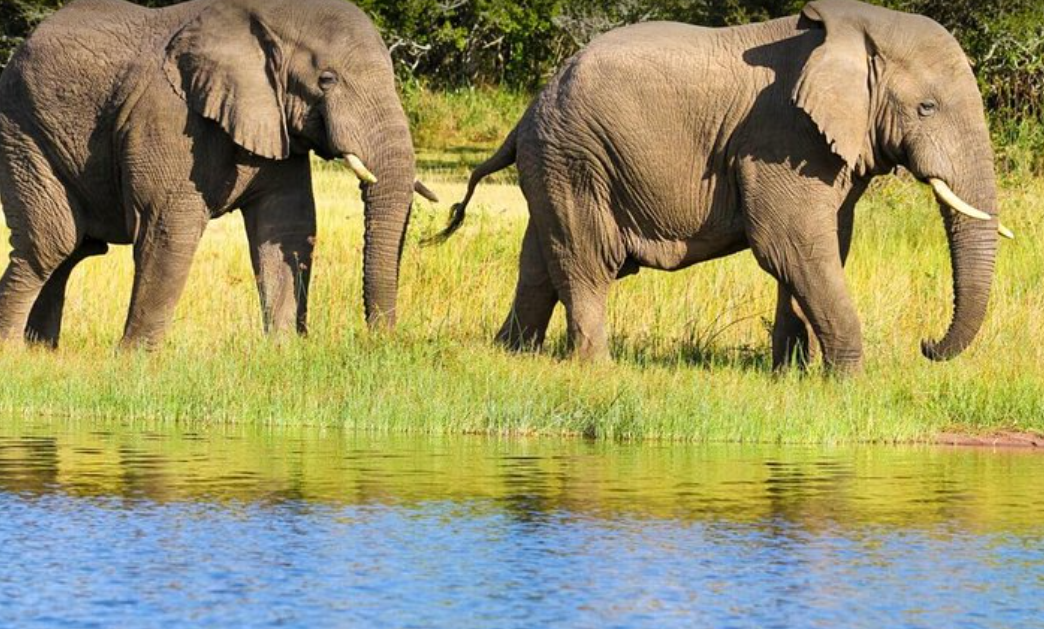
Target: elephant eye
{"points": [[927, 108], [327, 80]]}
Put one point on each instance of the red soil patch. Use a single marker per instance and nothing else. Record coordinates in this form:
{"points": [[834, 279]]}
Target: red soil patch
{"points": [[1002, 439]]}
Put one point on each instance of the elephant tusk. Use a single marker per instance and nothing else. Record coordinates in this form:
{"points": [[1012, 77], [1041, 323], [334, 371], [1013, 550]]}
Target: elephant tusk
{"points": [[360, 169], [1004, 231], [950, 198], [425, 192]]}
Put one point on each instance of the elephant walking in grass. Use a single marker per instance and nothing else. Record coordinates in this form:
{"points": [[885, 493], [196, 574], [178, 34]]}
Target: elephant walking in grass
{"points": [[662, 145], [126, 125]]}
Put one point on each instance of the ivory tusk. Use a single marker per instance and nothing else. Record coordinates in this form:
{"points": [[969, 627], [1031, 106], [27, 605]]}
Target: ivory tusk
{"points": [[425, 192], [950, 198], [360, 169], [1004, 231]]}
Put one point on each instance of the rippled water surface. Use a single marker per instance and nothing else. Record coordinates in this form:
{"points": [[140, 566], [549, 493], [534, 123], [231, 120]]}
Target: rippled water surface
{"points": [[106, 525]]}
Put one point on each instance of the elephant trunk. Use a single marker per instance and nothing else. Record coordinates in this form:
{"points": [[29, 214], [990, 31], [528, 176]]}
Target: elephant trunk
{"points": [[973, 253], [387, 211]]}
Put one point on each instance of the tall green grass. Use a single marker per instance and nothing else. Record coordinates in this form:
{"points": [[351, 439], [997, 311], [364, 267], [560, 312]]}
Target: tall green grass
{"points": [[690, 348], [467, 117]]}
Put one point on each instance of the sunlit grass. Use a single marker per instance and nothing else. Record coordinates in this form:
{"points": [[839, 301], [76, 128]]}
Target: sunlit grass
{"points": [[691, 348]]}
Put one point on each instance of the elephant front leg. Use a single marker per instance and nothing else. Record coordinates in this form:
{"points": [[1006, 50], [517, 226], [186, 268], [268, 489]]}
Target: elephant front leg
{"points": [[805, 257], [799, 229], [791, 345], [790, 340], [281, 230], [814, 275], [163, 252]]}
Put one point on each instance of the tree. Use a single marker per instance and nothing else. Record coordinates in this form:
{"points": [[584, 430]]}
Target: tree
{"points": [[519, 43]]}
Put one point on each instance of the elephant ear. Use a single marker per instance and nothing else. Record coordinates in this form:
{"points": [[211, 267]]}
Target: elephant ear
{"points": [[227, 65], [834, 86]]}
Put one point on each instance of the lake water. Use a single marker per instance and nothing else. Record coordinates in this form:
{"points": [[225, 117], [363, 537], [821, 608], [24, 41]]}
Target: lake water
{"points": [[109, 525]]}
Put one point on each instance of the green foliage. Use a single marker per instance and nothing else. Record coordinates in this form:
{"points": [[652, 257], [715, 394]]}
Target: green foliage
{"points": [[469, 117], [17, 19], [457, 44], [1005, 41], [454, 43]]}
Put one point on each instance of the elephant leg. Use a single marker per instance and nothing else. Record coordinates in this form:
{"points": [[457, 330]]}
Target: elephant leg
{"points": [[791, 345], [43, 235], [281, 230], [580, 242], [816, 280], [586, 307], [583, 249], [790, 340], [21, 284], [535, 298], [163, 251], [45, 319]]}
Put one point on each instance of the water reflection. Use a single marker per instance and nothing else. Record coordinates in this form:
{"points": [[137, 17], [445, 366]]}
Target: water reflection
{"points": [[130, 525], [976, 490]]}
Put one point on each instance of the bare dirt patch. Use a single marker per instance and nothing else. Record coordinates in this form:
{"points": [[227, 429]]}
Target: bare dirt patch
{"points": [[1001, 439]]}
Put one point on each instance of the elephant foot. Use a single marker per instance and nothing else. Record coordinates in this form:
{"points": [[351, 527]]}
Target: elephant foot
{"points": [[795, 356], [515, 340], [41, 340], [131, 344], [592, 355], [845, 365]]}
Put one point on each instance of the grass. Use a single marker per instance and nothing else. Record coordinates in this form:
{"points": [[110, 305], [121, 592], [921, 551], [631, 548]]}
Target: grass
{"points": [[691, 348]]}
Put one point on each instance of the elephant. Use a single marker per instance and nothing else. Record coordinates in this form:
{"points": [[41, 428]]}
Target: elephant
{"points": [[661, 145], [126, 125]]}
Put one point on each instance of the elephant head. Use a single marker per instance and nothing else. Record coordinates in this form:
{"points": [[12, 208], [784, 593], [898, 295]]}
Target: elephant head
{"points": [[887, 88], [286, 78]]}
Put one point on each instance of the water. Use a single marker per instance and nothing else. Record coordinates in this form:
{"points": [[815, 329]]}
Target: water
{"points": [[104, 525]]}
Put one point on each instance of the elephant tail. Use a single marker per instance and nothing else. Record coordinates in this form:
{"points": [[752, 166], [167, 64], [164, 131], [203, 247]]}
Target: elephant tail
{"points": [[504, 157]]}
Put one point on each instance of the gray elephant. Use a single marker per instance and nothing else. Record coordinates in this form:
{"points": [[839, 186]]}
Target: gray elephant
{"points": [[126, 125], [662, 145]]}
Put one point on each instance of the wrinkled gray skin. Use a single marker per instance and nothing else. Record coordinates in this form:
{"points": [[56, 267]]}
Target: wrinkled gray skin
{"points": [[663, 145], [125, 125]]}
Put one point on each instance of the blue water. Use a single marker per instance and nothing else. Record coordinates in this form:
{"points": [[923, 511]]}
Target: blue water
{"points": [[119, 528]]}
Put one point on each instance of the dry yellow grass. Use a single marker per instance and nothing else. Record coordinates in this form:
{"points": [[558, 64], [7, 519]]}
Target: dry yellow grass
{"points": [[691, 347]]}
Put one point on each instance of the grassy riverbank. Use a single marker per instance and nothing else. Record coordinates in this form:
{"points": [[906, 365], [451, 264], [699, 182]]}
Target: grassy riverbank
{"points": [[691, 348]]}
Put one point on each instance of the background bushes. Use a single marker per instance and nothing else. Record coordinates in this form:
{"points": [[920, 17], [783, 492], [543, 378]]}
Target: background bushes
{"points": [[516, 44], [519, 43]]}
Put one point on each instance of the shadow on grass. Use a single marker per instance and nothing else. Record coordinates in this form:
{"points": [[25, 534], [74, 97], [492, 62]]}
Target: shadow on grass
{"points": [[686, 353], [705, 356]]}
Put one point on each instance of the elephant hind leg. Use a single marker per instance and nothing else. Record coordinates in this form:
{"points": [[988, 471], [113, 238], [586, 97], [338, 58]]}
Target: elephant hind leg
{"points": [[163, 252], [583, 250], [535, 299], [43, 235], [45, 319], [586, 307]]}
